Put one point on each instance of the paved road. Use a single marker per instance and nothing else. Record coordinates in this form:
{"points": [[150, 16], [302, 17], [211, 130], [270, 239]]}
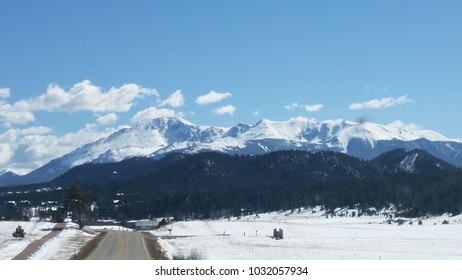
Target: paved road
{"points": [[121, 245]]}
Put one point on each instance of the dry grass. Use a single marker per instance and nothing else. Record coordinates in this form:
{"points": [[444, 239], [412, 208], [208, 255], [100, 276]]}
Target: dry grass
{"points": [[192, 255], [154, 248], [88, 248]]}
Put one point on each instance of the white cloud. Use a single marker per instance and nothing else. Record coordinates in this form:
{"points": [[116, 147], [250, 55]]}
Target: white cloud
{"points": [[20, 148], [37, 130], [5, 154], [85, 96], [4, 92], [293, 106], [256, 113], [176, 99], [309, 108], [381, 103], [81, 97], [228, 109], [151, 113], [212, 97], [409, 127], [313, 108], [107, 119], [14, 114], [23, 150]]}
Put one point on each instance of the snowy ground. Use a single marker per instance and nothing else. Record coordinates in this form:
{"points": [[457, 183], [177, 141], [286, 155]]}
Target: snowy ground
{"points": [[310, 235], [61, 247], [10, 247], [65, 245], [307, 236]]}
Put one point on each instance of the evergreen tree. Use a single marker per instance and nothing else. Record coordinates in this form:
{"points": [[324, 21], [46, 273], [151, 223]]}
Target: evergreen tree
{"points": [[19, 232], [77, 201]]}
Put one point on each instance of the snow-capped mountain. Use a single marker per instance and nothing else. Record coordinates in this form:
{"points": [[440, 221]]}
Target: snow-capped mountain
{"points": [[162, 135]]}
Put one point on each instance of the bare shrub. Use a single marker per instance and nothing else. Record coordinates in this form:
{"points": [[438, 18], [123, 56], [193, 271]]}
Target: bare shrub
{"points": [[193, 255]]}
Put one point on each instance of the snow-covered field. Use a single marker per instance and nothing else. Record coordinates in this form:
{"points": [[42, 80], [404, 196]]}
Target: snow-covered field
{"points": [[10, 247], [307, 236], [310, 236]]}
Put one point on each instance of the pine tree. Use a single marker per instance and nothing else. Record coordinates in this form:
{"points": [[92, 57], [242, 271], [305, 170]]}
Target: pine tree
{"points": [[77, 201], [19, 232]]}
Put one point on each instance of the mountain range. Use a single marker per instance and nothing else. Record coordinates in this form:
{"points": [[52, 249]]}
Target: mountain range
{"points": [[156, 138]]}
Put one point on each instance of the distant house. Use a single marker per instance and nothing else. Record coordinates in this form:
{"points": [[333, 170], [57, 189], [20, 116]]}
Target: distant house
{"points": [[146, 225]]}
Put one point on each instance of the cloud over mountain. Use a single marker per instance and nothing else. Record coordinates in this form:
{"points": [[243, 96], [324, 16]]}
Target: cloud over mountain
{"points": [[176, 99], [225, 110], [22, 150], [107, 119], [14, 114], [83, 96], [308, 107], [4, 92], [381, 103], [313, 108], [151, 113], [212, 97]]}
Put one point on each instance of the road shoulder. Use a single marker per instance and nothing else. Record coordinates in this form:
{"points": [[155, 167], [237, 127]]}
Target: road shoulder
{"points": [[153, 246]]}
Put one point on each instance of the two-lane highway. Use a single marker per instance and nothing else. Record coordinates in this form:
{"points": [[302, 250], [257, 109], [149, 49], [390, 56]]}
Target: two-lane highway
{"points": [[121, 245]]}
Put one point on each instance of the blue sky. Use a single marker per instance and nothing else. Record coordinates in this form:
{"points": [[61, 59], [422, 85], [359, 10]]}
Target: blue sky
{"points": [[74, 71]]}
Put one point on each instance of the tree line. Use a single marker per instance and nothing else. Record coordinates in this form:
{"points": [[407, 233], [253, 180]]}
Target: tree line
{"points": [[211, 185]]}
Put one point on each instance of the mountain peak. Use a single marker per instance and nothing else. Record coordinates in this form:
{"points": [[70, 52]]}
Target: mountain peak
{"points": [[169, 121], [6, 172]]}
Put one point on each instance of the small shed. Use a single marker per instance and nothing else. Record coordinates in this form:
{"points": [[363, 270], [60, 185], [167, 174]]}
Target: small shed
{"points": [[278, 234], [146, 224]]}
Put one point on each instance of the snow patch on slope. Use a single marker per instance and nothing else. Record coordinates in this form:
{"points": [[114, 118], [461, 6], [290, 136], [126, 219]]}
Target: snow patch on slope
{"points": [[408, 163]]}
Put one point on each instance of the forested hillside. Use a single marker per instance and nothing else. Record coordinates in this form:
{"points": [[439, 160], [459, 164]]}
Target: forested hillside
{"points": [[208, 185]]}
